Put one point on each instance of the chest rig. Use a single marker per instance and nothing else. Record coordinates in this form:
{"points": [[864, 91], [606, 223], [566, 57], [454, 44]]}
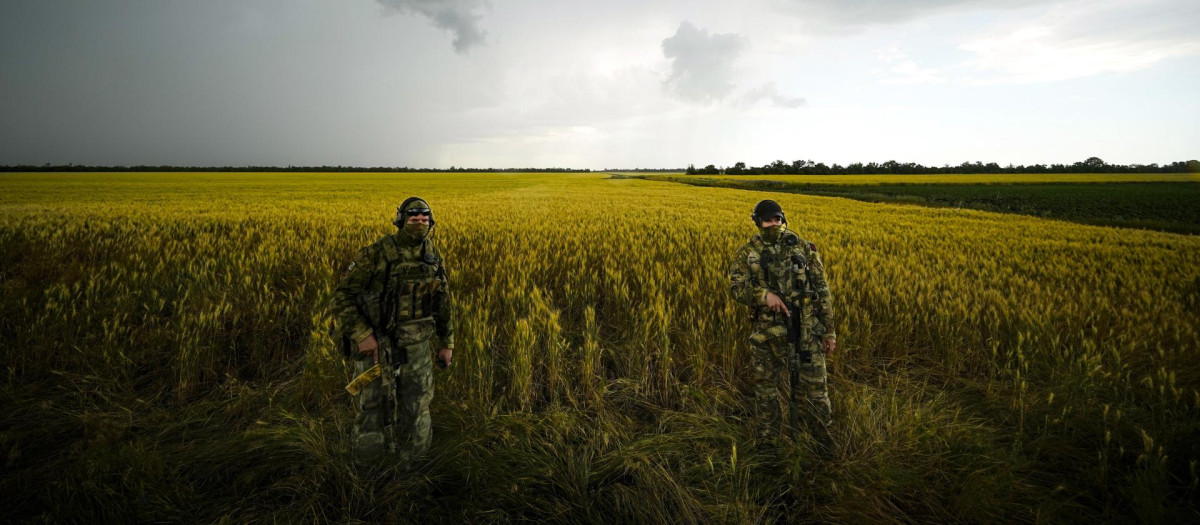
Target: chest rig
{"points": [[783, 268], [402, 290]]}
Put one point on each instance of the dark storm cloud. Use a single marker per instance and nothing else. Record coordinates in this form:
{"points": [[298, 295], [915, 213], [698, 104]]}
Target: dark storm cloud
{"points": [[701, 63], [460, 17], [219, 82]]}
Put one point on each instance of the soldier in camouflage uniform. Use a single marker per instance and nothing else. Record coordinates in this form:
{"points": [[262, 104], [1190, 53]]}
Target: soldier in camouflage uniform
{"points": [[779, 276], [390, 301]]}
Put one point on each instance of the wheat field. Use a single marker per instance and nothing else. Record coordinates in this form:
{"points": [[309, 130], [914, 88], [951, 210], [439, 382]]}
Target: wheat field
{"points": [[998, 178], [168, 352]]}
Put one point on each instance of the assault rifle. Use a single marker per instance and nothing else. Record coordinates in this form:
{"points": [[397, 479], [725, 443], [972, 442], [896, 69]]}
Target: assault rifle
{"points": [[390, 356], [797, 334]]}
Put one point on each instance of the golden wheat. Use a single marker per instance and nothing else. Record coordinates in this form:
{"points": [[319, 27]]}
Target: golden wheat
{"points": [[569, 288]]}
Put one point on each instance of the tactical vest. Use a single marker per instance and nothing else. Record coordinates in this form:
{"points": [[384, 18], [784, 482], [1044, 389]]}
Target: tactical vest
{"points": [[398, 299], [783, 269]]}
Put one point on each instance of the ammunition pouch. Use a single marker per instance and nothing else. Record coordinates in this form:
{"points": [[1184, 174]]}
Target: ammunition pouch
{"points": [[413, 332]]}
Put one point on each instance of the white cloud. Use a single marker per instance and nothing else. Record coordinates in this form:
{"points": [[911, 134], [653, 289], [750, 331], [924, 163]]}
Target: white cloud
{"points": [[836, 16], [1085, 38], [902, 69], [770, 93]]}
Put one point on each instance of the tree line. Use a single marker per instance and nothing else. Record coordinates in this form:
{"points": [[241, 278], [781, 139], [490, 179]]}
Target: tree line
{"points": [[808, 167]]}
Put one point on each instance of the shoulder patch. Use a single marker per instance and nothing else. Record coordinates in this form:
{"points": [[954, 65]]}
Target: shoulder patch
{"points": [[812, 246], [351, 267]]}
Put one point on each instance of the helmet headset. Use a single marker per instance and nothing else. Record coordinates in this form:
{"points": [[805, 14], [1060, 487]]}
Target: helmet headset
{"points": [[402, 213], [767, 209]]}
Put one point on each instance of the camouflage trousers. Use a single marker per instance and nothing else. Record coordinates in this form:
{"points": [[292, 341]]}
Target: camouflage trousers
{"points": [[410, 433], [769, 350]]}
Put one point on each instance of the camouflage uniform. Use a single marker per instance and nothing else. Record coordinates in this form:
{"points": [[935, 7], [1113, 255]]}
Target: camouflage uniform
{"points": [[398, 285], [790, 268]]}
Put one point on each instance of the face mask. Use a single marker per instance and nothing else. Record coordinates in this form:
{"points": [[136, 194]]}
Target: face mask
{"points": [[415, 230], [771, 233]]}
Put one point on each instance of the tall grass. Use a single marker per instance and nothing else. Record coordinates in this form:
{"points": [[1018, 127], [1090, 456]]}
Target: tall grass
{"points": [[167, 357]]}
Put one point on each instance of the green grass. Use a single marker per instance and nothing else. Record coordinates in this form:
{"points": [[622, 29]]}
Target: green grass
{"points": [[1162, 206], [254, 451]]}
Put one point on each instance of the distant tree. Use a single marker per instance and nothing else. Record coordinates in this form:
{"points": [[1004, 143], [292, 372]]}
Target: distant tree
{"points": [[738, 168], [1193, 166], [691, 169], [1094, 164]]}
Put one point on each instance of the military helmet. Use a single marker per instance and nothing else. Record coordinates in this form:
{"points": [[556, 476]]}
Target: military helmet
{"points": [[413, 205], [767, 209]]}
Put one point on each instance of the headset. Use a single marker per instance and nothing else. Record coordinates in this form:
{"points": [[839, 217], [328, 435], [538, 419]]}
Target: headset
{"points": [[401, 218], [753, 215]]}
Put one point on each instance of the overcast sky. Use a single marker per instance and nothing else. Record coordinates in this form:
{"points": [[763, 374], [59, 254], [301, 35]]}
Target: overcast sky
{"points": [[597, 84]]}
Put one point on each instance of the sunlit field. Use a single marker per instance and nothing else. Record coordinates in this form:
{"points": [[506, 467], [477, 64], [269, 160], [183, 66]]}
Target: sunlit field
{"points": [[1013, 178], [168, 356], [1159, 202]]}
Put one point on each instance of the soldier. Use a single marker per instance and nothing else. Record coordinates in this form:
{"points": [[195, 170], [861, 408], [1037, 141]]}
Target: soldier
{"points": [[781, 278], [390, 301]]}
